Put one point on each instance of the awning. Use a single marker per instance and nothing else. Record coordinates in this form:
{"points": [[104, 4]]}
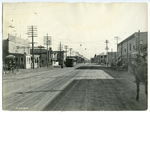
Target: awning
{"points": [[9, 57]]}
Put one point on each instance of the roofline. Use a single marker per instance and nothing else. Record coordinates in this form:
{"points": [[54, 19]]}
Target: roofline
{"points": [[130, 37]]}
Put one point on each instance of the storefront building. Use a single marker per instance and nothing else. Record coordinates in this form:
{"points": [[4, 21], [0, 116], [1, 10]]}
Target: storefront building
{"points": [[20, 49]]}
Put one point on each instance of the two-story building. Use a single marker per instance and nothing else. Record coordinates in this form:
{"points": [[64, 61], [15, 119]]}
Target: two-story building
{"points": [[134, 45], [18, 47]]}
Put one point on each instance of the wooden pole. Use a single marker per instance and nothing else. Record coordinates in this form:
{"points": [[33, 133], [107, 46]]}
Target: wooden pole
{"points": [[32, 48]]}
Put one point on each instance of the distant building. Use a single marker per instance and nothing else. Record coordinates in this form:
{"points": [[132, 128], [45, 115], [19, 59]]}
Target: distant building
{"points": [[41, 55], [92, 60], [102, 58], [59, 57], [18, 47]]}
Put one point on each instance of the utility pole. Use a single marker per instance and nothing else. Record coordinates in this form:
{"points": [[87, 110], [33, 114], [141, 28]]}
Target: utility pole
{"points": [[111, 54], [60, 53], [32, 32], [107, 50], [50, 50], [117, 38], [61, 57], [66, 47], [70, 51], [47, 42]]}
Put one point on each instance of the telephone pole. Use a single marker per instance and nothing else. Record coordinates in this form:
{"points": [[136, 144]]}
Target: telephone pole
{"points": [[59, 49], [70, 51], [117, 38], [66, 47], [107, 50], [47, 42], [32, 32], [111, 54], [61, 57]]}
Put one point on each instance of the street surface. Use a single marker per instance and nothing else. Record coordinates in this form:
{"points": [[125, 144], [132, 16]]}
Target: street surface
{"points": [[85, 87]]}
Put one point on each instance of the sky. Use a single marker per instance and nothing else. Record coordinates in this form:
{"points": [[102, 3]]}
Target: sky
{"points": [[84, 27]]}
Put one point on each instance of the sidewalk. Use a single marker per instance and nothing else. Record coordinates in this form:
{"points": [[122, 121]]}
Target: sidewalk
{"points": [[26, 71]]}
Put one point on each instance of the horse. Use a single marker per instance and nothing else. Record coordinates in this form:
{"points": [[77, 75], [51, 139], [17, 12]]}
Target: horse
{"points": [[141, 76]]}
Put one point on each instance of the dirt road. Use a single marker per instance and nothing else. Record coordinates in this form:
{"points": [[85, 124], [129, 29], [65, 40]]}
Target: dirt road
{"points": [[85, 87]]}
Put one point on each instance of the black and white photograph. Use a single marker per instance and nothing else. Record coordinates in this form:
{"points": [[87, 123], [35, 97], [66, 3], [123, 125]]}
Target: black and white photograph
{"points": [[74, 56], [74, 75]]}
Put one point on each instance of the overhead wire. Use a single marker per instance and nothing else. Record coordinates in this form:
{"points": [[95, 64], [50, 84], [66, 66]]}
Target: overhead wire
{"points": [[65, 40], [132, 19]]}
